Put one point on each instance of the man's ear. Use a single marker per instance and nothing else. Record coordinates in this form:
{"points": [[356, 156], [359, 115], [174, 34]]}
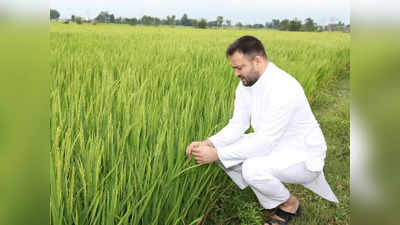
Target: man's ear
{"points": [[257, 59]]}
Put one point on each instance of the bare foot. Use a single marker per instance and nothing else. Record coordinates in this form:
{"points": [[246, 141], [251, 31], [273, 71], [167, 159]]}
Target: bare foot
{"points": [[291, 205]]}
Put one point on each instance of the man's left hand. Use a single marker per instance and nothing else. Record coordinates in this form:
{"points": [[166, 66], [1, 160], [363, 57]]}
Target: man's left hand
{"points": [[205, 154]]}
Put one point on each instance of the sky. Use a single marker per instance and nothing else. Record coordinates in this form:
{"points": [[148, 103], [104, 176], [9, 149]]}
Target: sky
{"points": [[246, 11]]}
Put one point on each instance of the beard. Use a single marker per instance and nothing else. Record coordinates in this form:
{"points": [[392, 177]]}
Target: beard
{"points": [[251, 78]]}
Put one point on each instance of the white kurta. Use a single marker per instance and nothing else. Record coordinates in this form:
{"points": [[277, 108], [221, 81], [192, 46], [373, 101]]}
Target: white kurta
{"points": [[285, 128]]}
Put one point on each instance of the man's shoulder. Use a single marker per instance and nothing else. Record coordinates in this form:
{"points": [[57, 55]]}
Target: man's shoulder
{"points": [[282, 78], [283, 81]]}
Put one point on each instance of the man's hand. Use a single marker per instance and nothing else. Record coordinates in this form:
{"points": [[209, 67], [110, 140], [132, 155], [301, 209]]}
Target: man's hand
{"points": [[205, 154], [208, 143], [190, 148]]}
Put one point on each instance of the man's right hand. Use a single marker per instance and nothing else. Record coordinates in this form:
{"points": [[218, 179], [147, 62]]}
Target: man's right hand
{"points": [[190, 148]]}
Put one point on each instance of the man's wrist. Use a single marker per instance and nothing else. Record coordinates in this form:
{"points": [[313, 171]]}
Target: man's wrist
{"points": [[216, 154]]}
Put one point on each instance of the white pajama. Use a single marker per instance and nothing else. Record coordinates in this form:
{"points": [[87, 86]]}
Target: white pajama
{"points": [[267, 182], [287, 144]]}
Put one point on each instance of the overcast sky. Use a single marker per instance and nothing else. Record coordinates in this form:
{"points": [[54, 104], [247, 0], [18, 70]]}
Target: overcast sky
{"points": [[245, 11]]}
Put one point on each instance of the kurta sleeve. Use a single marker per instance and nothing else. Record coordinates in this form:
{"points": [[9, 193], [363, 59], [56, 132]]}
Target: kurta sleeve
{"points": [[282, 104], [239, 123]]}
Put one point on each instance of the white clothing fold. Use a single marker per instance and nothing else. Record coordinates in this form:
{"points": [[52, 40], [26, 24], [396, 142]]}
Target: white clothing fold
{"points": [[267, 182]]}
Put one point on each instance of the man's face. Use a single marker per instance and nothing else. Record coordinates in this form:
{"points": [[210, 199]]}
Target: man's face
{"points": [[244, 68]]}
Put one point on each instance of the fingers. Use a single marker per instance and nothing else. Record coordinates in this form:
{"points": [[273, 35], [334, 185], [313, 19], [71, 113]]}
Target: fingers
{"points": [[190, 148], [188, 151], [196, 149], [199, 160], [197, 155]]}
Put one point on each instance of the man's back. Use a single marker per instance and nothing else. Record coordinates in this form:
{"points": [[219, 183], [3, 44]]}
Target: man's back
{"points": [[301, 137], [283, 123]]}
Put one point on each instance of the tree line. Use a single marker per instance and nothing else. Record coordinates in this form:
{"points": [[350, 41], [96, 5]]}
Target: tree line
{"points": [[286, 24]]}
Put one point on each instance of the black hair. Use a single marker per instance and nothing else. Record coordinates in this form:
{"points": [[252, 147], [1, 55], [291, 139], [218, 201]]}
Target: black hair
{"points": [[248, 45]]}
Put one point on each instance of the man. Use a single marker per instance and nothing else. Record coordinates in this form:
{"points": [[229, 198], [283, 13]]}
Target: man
{"points": [[287, 145]]}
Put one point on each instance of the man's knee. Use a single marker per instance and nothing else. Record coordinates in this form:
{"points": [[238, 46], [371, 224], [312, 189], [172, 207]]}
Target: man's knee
{"points": [[255, 171]]}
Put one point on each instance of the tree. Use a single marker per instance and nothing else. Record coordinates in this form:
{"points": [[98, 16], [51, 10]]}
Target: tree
{"points": [[212, 23], [239, 25], [220, 20], [157, 21], [118, 20], [228, 23], [275, 24], [101, 18], [258, 26], [194, 22], [105, 17], [248, 26], [132, 21], [202, 24], [73, 18], [145, 20], [294, 25], [284, 25], [54, 14], [112, 18], [149, 20], [171, 20], [309, 25], [185, 21], [78, 20]]}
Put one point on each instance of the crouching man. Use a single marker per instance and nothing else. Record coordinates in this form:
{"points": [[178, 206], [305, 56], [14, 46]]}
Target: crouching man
{"points": [[287, 145]]}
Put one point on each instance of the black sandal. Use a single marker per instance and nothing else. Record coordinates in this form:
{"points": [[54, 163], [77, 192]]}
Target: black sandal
{"points": [[276, 221], [286, 216]]}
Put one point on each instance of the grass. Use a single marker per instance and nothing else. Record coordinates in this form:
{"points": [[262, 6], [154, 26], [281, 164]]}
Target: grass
{"points": [[126, 101]]}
